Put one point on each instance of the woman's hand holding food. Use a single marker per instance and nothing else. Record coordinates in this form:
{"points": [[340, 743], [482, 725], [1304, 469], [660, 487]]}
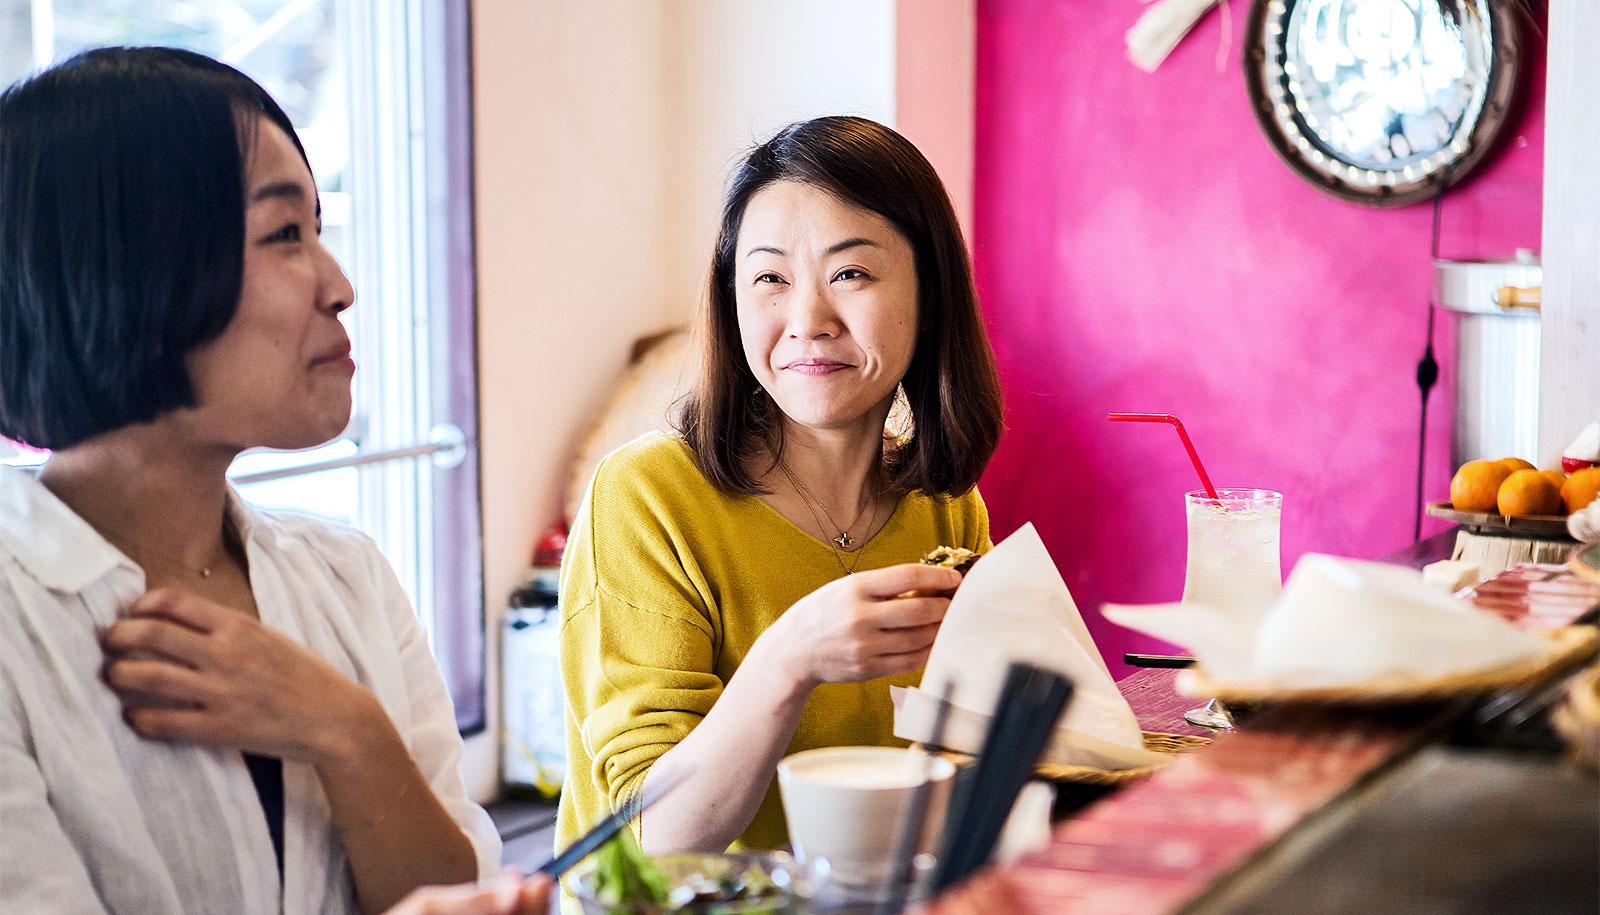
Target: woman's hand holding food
{"points": [[190, 669], [863, 626]]}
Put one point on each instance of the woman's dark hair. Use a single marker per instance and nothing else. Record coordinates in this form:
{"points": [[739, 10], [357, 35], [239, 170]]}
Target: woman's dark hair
{"points": [[122, 183], [951, 385]]}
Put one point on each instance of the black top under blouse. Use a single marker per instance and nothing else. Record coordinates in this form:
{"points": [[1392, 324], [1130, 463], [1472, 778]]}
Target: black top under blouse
{"points": [[267, 773]]}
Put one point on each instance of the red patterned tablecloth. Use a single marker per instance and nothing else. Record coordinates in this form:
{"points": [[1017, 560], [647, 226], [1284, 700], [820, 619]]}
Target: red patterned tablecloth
{"points": [[1157, 844], [1157, 705]]}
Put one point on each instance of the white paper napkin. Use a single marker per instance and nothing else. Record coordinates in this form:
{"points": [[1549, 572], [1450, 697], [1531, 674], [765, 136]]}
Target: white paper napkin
{"points": [[1013, 606], [1339, 622]]}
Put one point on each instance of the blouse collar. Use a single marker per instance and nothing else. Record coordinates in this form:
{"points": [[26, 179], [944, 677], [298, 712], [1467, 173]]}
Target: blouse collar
{"points": [[60, 549]]}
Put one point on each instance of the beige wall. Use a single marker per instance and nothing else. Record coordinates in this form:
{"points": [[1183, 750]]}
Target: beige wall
{"points": [[935, 69], [568, 105]]}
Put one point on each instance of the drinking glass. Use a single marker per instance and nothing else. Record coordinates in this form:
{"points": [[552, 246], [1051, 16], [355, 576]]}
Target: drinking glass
{"points": [[1233, 562], [887, 894]]}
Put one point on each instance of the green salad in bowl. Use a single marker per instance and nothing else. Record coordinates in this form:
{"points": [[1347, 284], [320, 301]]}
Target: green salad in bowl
{"points": [[621, 880]]}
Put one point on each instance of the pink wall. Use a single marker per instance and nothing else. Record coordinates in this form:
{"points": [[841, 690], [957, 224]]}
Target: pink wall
{"points": [[1139, 246]]}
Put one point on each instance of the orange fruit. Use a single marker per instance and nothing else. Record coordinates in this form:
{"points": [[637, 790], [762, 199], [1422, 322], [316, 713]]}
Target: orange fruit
{"points": [[1528, 492], [1557, 477], [1512, 465], [1476, 486], [1580, 489]]}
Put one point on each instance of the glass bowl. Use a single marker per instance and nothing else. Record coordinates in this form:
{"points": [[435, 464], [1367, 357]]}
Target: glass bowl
{"points": [[787, 885]]}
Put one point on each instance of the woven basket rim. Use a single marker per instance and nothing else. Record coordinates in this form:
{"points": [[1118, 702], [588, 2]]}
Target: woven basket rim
{"points": [[1568, 644], [1577, 717], [1159, 741]]}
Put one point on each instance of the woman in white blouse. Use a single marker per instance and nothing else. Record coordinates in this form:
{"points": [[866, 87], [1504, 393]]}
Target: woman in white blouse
{"points": [[204, 707]]}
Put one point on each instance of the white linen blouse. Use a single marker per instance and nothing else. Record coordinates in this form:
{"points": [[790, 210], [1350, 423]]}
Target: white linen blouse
{"points": [[95, 818]]}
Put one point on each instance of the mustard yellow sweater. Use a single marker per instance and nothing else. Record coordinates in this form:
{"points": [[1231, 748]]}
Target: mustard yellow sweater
{"points": [[666, 584]]}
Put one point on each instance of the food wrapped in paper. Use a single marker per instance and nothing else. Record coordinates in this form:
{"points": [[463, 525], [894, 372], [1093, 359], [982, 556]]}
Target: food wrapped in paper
{"points": [[1013, 606]]}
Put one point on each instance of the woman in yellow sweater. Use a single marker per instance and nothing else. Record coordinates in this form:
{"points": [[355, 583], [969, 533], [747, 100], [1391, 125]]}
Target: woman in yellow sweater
{"points": [[742, 590]]}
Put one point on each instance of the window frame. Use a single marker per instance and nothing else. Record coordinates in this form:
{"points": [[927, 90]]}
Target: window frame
{"points": [[458, 580]]}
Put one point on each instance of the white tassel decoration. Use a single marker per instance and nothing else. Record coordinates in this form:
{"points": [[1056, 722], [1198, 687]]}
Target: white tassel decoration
{"points": [[1584, 524], [1163, 25]]}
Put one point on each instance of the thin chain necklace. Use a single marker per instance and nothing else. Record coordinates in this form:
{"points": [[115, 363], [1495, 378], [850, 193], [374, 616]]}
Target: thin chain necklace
{"points": [[139, 554], [842, 542]]}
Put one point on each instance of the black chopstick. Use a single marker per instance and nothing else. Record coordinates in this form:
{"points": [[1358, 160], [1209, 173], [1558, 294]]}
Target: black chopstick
{"points": [[1030, 704], [608, 827], [1157, 660], [912, 828]]}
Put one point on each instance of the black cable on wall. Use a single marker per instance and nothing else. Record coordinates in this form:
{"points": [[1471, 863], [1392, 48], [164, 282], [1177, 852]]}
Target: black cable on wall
{"points": [[1428, 366]]}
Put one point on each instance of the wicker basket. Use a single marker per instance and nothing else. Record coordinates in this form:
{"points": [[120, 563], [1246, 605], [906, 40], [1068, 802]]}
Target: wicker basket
{"points": [[1089, 775], [1568, 646], [1578, 718]]}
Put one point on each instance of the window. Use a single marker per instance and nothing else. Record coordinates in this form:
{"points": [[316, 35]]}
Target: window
{"points": [[379, 95]]}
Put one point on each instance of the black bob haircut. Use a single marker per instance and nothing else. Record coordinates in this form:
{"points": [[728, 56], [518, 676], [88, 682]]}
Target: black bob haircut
{"points": [[122, 185]]}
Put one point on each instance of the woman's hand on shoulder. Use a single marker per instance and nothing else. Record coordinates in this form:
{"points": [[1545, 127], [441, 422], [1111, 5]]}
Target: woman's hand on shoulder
{"points": [[863, 626], [187, 668]]}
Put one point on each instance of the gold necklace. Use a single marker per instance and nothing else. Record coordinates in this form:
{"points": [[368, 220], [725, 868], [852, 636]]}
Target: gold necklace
{"points": [[140, 557], [203, 571], [229, 537], [842, 542]]}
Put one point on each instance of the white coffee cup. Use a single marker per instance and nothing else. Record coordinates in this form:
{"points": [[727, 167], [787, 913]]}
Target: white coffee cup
{"points": [[848, 805]]}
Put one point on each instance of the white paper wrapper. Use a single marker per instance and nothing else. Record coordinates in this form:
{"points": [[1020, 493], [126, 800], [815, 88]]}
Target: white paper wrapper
{"points": [[1013, 606], [1339, 622]]}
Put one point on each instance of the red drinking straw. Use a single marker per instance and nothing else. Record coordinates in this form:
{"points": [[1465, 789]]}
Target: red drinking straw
{"points": [[1175, 423]]}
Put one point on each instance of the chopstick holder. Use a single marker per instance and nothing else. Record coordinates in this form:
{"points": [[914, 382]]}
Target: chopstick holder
{"points": [[1030, 703]]}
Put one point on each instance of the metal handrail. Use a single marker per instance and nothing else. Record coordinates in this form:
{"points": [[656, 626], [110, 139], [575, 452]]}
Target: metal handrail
{"points": [[447, 445]]}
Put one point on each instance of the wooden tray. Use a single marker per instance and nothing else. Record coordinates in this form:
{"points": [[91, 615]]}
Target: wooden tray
{"points": [[1568, 646], [1089, 775], [1545, 527]]}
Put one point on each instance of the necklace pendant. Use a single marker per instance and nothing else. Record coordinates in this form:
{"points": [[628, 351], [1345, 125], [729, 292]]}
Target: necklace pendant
{"points": [[205, 573], [844, 540]]}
